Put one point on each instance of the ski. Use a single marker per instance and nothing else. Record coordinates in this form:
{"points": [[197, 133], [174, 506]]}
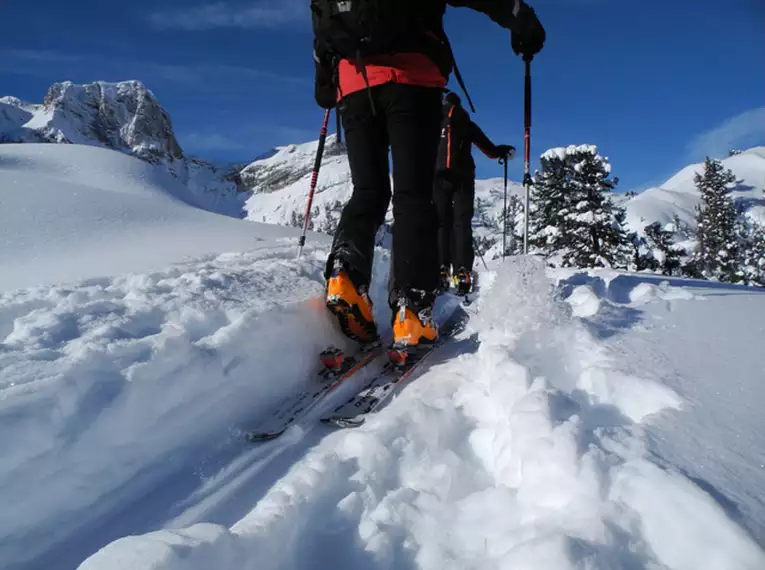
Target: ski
{"points": [[336, 369], [380, 389]]}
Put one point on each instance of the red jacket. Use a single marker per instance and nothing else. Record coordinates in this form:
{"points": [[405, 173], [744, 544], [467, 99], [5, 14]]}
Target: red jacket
{"points": [[406, 68]]}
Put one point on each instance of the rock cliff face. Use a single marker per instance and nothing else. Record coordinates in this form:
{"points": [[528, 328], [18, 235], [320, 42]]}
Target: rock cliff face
{"points": [[122, 116]]}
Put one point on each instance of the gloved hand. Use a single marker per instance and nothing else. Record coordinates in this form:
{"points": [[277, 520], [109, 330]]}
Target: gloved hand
{"points": [[528, 35], [325, 89], [506, 151]]}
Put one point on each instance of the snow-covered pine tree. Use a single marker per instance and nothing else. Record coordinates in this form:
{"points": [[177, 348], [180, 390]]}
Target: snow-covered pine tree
{"points": [[717, 253], [573, 219], [593, 225], [546, 221], [664, 251], [752, 236]]}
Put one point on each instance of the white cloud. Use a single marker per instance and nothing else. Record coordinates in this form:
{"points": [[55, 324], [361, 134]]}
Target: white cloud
{"points": [[742, 131], [260, 14], [213, 142], [57, 66]]}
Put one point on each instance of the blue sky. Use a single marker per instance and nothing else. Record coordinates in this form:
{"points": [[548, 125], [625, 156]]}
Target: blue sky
{"points": [[656, 84]]}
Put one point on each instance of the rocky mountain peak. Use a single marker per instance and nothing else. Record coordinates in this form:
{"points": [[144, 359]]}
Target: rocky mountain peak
{"points": [[123, 116]]}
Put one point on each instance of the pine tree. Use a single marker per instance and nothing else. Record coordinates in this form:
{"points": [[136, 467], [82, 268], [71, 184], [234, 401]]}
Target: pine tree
{"points": [[548, 200], [573, 217], [664, 251], [752, 237], [594, 227], [717, 253]]}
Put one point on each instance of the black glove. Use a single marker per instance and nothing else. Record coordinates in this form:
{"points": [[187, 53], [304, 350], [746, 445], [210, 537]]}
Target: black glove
{"points": [[325, 89], [506, 151], [528, 34]]}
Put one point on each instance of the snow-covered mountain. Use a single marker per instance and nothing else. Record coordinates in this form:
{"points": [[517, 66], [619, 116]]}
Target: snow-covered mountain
{"points": [[679, 196], [123, 116]]}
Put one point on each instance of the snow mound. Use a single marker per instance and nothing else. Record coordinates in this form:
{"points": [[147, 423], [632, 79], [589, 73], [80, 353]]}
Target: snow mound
{"points": [[527, 443], [69, 212], [679, 196]]}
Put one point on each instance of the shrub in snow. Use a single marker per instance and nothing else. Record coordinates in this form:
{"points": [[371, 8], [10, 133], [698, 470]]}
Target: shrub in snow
{"points": [[664, 252], [642, 255], [573, 219]]}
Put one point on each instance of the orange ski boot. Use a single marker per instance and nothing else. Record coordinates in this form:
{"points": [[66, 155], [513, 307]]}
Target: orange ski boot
{"points": [[351, 306], [411, 331]]}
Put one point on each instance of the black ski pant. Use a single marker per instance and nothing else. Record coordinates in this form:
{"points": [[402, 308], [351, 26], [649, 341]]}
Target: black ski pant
{"points": [[454, 199], [407, 119]]}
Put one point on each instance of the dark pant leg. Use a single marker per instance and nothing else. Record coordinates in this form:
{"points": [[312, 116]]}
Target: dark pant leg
{"points": [[464, 197], [413, 116], [367, 142], [443, 196]]}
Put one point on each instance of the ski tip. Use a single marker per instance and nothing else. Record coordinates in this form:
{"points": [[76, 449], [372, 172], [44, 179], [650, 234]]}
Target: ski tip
{"points": [[254, 437], [344, 422]]}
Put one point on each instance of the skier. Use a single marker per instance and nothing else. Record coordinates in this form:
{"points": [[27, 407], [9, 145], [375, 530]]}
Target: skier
{"points": [[454, 191], [385, 65]]}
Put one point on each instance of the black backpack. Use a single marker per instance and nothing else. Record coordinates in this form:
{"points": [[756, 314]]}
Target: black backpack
{"points": [[359, 28], [454, 151]]}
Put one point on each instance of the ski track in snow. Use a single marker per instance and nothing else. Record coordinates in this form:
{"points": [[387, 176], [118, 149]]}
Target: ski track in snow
{"points": [[117, 390], [525, 444]]}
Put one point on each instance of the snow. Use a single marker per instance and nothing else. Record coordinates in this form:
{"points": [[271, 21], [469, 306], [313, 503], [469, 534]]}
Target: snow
{"points": [[562, 153], [679, 195], [547, 435], [591, 420], [69, 212]]}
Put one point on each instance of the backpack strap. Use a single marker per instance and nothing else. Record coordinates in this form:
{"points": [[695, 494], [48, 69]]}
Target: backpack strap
{"points": [[457, 74]]}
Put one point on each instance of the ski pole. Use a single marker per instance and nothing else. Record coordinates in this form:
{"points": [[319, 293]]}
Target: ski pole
{"points": [[527, 155], [478, 251], [314, 180]]}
